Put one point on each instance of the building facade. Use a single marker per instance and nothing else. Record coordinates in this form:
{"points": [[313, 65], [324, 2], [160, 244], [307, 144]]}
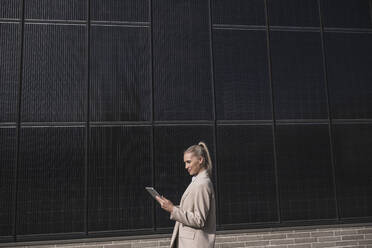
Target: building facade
{"points": [[99, 98]]}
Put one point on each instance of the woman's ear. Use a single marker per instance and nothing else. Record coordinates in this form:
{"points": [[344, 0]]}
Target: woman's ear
{"points": [[201, 159]]}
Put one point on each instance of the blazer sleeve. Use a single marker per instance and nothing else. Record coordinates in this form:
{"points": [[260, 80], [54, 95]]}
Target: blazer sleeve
{"points": [[198, 217]]}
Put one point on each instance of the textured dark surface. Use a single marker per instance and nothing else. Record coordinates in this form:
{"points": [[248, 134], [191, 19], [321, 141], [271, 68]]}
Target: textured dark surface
{"points": [[171, 177], [182, 66], [298, 79], [305, 172], [349, 63], [163, 68], [239, 12], [9, 70], [51, 180], [120, 74], [120, 168], [54, 73], [246, 174], [353, 169], [241, 75], [10, 9], [120, 10], [347, 13], [294, 13], [7, 166], [56, 9]]}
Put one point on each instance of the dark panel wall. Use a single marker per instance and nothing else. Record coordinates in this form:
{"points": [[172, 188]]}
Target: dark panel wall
{"points": [[7, 169], [294, 13], [242, 12], [297, 74], [305, 172], [353, 170], [10, 9], [99, 98], [246, 174], [9, 70], [120, 74], [120, 11], [120, 166], [54, 87], [182, 73], [347, 13], [51, 180], [55, 9], [350, 81], [241, 75]]}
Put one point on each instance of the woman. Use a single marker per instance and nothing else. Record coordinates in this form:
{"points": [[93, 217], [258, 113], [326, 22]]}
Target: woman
{"points": [[196, 215]]}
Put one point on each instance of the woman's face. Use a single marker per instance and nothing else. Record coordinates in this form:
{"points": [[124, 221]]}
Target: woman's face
{"points": [[193, 164]]}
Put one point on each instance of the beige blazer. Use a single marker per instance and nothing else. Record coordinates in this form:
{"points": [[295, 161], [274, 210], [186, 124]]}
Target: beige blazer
{"points": [[196, 215]]}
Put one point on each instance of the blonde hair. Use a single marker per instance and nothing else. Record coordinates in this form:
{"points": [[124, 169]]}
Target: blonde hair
{"points": [[201, 150]]}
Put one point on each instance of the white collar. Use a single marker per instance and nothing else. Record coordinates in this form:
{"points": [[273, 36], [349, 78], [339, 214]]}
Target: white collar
{"points": [[200, 174]]}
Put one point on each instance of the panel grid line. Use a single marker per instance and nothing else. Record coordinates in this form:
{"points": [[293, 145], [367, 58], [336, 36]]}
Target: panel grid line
{"points": [[11, 21], [152, 112], [272, 109], [18, 136], [214, 112], [330, 129], [87, 124]]}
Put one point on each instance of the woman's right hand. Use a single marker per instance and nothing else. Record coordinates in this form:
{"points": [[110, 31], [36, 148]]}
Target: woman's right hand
{"points": [[165, 204]]}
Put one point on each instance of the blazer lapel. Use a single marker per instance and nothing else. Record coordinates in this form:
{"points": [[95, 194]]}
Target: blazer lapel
{"points": [[187, 191], [200, 176]]}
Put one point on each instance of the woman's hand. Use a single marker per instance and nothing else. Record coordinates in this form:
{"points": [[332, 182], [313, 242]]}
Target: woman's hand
{"points": [[165, 204]]}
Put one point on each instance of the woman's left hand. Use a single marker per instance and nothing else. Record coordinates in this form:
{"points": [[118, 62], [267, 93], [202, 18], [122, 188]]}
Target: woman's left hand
{"points": [[165, 204]]}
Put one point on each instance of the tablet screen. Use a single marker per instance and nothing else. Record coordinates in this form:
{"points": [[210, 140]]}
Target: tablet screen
{"points": [[152, 191]]}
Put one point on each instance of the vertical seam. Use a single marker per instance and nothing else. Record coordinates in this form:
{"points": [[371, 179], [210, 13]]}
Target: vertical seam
{"points": [[87, 125], [152, 111], [210, 9], [330, 129], [18, 128], [272, 109]]}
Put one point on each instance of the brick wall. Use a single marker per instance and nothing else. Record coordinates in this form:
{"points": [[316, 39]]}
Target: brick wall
{"points": [[298, 237]]}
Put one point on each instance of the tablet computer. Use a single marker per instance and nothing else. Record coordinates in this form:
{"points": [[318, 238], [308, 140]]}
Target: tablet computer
{"points": [[152, 192]]}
